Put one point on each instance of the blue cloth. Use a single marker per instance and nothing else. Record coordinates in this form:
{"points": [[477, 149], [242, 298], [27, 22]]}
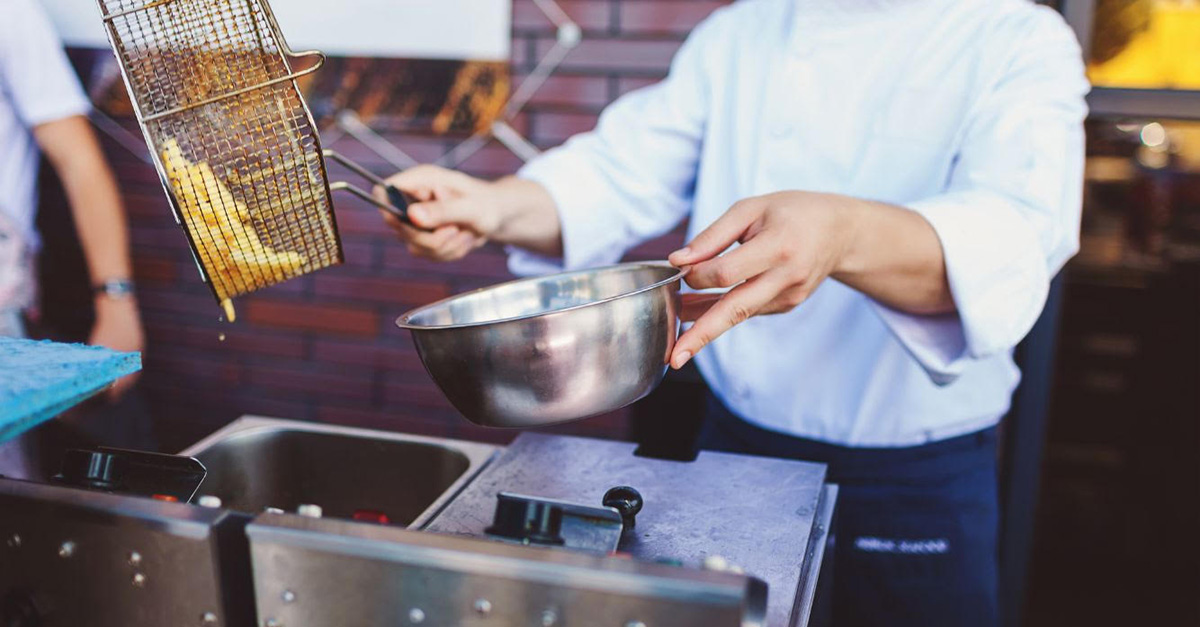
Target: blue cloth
{"points": [[39, 380], [916, 528]]}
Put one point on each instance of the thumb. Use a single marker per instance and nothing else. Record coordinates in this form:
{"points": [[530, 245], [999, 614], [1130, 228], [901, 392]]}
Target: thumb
{"points": [[435, 213]]}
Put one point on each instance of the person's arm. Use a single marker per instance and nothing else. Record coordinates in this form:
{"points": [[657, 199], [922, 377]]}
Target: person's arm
{"points": [[587, 202], [957, 276], [72, 149]]}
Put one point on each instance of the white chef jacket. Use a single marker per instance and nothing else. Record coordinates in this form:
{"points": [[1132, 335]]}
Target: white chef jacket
{"points": [[37, 85], [968, 112]]}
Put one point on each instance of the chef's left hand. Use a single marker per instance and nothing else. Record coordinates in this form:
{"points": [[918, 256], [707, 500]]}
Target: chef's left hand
{"points": [[119, 327], [790, 243]]}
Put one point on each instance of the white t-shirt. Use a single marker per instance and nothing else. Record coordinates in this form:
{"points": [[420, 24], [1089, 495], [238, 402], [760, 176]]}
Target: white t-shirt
{"points": [[37, 85]]}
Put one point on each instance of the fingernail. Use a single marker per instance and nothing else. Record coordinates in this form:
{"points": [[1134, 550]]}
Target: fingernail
{"points": [[682, 360], [682, 252], [417, 213]]}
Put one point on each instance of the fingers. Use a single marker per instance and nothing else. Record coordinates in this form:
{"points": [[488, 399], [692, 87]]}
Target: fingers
{"points": [[434, 213], [719, 236], [423, 181], [738, 305], [744, 262]]}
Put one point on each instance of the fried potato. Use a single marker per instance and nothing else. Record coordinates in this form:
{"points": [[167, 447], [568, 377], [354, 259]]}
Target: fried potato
{"points": [[236, 260]]}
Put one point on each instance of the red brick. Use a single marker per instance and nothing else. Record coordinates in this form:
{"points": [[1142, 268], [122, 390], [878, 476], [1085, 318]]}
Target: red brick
{"points": [[157, 236], [379, 289], [358, 217], [237, 339], [628, 84], [191, 303], [480, 263], [591, 15], [492, 161], [587, 92], [616, 55], [195, 367], [421, 148], [373, 354], [319, 384], [358, 254], [154, 269], [666, 17], [558, 127], [336, 320], [421, 423]]}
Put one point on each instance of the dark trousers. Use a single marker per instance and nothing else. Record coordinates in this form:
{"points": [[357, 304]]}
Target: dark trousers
{"points": [[916, 530]]}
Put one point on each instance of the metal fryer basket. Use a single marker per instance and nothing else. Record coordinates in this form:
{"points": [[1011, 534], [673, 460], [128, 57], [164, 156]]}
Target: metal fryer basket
{"points": [[233, 141]]}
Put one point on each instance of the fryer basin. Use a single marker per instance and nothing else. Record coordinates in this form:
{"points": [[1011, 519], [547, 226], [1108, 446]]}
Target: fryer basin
{"points": [[255, 463]]}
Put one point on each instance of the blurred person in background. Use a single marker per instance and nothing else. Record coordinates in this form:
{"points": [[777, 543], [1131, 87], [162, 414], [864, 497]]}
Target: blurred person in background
{"points": [[43, 111], [897, 181]]}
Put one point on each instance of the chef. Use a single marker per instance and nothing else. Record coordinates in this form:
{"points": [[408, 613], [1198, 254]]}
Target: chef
{"points": [[43, 112], [884, 189]]}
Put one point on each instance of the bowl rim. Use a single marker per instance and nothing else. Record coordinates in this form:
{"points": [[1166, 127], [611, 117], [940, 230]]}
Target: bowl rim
{"points": [[403, 320]]}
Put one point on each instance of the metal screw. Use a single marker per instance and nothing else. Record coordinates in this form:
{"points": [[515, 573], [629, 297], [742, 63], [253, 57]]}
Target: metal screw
{"points": [[135, 558], [483, 607], [288, 596], [416, 616], [209, 618], [549, 618], [14, 541], [139, 580], [67, 549]]}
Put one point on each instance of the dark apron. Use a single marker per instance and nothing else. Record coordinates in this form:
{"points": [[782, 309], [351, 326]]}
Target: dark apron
{"points": [[916, 530]]}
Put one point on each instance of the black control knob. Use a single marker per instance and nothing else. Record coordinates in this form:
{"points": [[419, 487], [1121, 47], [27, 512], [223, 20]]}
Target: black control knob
{"points": [[627, 501], [527, 520]]}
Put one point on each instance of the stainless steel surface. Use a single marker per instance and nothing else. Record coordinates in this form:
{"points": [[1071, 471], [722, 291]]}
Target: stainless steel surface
{"points": [[254, 463], [104, 560], [216, 78], [389, 576], [551, 349], [761, 514]]}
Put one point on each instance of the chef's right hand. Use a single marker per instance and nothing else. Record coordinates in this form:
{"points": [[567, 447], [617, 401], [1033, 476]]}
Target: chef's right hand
{"points": [[453, 215]]}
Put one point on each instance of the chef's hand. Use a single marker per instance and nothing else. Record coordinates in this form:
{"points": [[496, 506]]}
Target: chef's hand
{"points": [[451, 212], [790, 243], [119, 327]]}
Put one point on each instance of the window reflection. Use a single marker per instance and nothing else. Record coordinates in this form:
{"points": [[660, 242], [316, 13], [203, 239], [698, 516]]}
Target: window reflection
{"points": [[1146, 44]]}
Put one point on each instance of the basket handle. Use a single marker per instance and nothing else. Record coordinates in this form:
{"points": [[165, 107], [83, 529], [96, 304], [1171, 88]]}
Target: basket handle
{"points": [[398, 201]]}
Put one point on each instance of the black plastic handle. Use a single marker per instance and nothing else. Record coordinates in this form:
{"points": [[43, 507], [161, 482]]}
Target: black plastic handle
{"points": [[626, 500]]}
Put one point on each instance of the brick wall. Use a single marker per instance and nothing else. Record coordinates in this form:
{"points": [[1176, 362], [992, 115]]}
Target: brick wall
{"points": [[323, 347]]}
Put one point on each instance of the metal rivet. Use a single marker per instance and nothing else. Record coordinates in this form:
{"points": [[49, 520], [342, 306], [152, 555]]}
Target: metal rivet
{"points": [[139, 579], [14, 541], [549, 618], [416, 616], [483, 606], [135, 558], [66, 549], [288, 596], [209, 618]]}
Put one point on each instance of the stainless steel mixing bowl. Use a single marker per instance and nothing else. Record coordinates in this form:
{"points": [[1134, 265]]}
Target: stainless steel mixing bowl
{"points": [[551, 349]]}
